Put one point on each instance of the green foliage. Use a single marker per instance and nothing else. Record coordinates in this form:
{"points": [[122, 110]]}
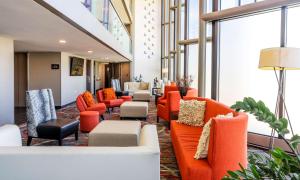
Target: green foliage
{"points": [[280, 165]]}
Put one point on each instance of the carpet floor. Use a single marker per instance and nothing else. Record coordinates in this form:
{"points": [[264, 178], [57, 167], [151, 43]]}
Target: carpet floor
{"points": [[168, 165]]}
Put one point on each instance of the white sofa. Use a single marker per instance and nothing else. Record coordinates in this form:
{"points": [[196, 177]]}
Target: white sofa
{"points": [[133, 87], [77, 163]]}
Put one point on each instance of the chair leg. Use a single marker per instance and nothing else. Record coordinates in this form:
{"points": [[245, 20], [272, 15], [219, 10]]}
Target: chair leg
{"points": [[76, 135], [29, 139], [157, 119], [60, 142], [102, 117]]}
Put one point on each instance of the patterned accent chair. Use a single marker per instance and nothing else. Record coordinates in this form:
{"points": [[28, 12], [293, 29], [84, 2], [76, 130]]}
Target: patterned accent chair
{"points": [[42, 121], [115, 84]]}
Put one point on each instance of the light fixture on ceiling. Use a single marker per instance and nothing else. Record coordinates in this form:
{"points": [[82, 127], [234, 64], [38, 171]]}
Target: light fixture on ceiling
{"points": [[62, 41], [90, 51]]}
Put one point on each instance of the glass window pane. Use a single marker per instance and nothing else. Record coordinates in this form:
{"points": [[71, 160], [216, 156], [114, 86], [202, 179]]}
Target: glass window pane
{"points": [[292, 95], [193, 16], [208, 71], [241, 42], [243, 2], [193, 62], [225, 4]]}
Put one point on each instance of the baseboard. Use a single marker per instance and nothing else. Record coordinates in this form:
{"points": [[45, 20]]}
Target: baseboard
{"points": [[63, 106]]}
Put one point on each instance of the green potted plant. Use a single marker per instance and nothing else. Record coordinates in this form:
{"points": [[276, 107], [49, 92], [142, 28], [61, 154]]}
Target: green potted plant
{"points": [[280, 164]]}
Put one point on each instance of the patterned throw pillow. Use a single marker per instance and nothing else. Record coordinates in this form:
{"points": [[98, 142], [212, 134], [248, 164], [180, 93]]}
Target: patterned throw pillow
{"points": [[144, 86], [88, 98], [202, 148], [109, 94], [191, 112]]}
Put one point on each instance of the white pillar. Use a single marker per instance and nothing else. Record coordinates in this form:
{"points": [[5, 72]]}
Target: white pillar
{"points": [[6, 81]]}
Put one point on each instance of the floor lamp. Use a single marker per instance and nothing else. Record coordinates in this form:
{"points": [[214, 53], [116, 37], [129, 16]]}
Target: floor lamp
{"points": [[280, 59]]}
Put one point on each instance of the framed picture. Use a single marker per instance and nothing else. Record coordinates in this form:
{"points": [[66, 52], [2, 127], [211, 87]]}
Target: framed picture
{"points": [[76, 67]]}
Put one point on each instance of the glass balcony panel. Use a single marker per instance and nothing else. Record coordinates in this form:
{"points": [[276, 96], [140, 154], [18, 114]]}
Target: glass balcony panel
{"points": [[104, 11]]}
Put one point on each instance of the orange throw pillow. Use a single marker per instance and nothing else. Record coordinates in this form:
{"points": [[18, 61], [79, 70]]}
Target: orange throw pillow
{"points": [[88, 98], [109, 94]]}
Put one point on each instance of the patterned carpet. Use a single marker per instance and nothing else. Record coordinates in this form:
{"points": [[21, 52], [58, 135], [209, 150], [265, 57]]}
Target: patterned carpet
{"points": [[168, 166]]}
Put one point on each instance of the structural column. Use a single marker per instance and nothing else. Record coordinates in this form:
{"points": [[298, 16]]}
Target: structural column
{"points": [[6, 81]]}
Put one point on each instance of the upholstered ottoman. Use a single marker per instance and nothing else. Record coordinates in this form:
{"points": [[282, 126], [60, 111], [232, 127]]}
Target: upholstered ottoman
{"points": [[88, 120], [134, 109], [142, 95], [126, 98], [115, 133]]}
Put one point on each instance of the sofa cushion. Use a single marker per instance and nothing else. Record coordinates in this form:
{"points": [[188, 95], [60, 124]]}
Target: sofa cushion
{"points": [[191, 112], [88, 98], [115, 133], [185, 140], [144, 86], [109, 94]]}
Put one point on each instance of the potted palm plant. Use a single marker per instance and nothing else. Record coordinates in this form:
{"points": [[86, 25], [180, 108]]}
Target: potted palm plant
{"points": [[280, 164]]}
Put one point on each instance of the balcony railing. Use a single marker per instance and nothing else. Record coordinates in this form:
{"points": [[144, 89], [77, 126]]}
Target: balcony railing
{"points": [[105, 12]]}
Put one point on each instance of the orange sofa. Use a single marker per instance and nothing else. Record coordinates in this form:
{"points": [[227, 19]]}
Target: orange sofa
{"points": [[227, 144]]}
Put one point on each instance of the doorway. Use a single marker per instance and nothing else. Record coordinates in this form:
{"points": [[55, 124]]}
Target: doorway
{"points": [[88, 75]]}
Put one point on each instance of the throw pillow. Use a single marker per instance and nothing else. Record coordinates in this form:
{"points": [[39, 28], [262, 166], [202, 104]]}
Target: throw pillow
{"points": [[191, 112], [144, 86], [88, 98], [202, 148], [109, 94]]}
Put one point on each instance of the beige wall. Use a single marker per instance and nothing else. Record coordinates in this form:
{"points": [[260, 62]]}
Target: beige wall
{"points": [[7, 80], [40, 74]]}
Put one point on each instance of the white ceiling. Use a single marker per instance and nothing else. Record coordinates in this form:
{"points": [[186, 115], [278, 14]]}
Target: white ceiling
{"points": [[35, 29]]}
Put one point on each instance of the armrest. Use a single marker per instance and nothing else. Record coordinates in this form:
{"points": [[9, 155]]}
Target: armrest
{"points": [[228, 144], [173, 100], [149, 138], [10, 135]]}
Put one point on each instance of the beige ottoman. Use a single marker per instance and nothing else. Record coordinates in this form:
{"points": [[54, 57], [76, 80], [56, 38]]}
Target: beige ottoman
{"points": [[142, 95], [115, 133], [134, 109]]}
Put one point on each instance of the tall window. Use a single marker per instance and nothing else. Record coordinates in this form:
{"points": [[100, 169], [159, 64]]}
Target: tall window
{"points": [[293, 76], [240, 45]]}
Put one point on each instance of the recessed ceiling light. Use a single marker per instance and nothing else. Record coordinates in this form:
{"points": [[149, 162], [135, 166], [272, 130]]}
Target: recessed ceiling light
{"points": [[90, 51], [62, 41]]}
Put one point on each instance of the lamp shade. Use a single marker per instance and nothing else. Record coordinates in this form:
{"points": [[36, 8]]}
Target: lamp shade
{"points": [[280, 58]]}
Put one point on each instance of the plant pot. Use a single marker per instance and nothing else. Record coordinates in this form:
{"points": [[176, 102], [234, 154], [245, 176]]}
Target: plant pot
{"points": [[183, 91]]}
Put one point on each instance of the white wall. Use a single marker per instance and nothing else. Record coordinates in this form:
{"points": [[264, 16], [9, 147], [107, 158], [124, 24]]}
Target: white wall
{"points": [[6, 81], [147, 39], [71, 86]]}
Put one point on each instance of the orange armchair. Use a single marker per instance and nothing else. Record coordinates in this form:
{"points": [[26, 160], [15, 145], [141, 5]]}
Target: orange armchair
{"points": [[170, 108], [163, 99], [109, 103], [82, 106]]}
